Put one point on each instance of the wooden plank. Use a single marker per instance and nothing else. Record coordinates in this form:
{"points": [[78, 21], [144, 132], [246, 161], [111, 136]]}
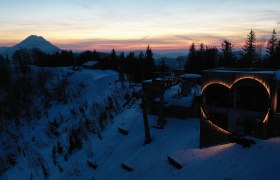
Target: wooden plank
{"points": [[157, 127], [123, 131], [174, 163], [126, 167], [91, 164]]}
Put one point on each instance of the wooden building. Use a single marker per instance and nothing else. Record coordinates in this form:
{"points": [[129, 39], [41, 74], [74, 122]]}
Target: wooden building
{"points": [[180, 96], [239, 102]]}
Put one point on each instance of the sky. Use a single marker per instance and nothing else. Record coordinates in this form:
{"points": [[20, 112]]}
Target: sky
{"points": [[133, 24]]}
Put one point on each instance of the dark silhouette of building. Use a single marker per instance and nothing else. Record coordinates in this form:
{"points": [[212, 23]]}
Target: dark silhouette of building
{"points": [[239, 102]]}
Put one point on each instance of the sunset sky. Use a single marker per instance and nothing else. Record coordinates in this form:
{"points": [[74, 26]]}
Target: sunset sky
{"points": [[132, 24]]}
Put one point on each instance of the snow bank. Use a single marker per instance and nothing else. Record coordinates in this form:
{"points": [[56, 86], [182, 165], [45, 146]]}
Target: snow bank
{"points": [[190, 76]]}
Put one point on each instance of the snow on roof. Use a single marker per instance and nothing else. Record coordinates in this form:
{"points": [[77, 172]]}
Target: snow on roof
{"points": [[90, 63], [148, 81], [172, 100], [191, 76], [181, 101], [277, 75], [243, 70], [159, 79]]}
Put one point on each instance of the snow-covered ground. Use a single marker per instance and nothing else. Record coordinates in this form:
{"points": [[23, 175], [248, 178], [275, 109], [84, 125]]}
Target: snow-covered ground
{"points": [[32, 143], [179, 139]]}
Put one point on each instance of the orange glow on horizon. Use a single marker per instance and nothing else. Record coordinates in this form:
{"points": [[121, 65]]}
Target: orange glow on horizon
{"points": [[161, 43]]}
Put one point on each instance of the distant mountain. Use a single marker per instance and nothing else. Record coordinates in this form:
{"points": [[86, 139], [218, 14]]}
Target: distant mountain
{"points": [[173, 63], [158, 54], [30, 43], [162, 54]]}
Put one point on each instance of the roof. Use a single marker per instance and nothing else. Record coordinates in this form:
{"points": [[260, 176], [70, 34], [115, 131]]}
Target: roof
{"points": [[243, 70], [277, 75], [190, 76], [90, 63]]}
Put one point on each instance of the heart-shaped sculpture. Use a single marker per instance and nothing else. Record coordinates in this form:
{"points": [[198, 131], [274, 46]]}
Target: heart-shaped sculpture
{"points": [[227, 105]]}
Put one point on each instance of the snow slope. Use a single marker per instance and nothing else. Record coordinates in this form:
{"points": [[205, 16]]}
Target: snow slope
{"points": [[33, 138], [179, 139]]}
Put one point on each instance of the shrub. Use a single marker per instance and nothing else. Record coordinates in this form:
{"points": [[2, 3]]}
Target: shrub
{"points": [[45, 171], [59, 147], [91, 164], [54, 150], [11, 158]]}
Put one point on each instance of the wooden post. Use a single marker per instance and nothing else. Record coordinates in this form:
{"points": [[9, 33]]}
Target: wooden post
{"points": [[174, 163], [145, 119], [234, 98], [161, 121]]}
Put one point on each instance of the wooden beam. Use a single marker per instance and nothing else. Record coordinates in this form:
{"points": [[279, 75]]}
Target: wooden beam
{"points": [[123, 131], [174, 163], [126, 167]]}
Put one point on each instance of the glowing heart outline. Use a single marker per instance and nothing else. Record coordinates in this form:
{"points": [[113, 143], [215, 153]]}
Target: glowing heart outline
{"points": [[229, 86]]}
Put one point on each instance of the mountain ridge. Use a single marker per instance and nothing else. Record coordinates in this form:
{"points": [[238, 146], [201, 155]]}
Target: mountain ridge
{"points": [[29, 43]]}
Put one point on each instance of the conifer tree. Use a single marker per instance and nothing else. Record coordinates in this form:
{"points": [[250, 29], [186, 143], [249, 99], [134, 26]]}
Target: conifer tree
{"points": [[141, 56], [192, 61], [277, 55], [149, 63], [249, 54], [227, 57], [113, 55], [95, 55], [210, 58], [271, 44], [122, 58], [149, 54], [271, 50]]}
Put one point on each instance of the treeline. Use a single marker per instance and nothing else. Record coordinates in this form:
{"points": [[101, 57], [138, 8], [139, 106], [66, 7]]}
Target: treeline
{"points": [[139, 66], [250, 56]]}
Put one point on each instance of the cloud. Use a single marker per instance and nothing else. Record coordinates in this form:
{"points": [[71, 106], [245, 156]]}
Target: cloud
{"points": [[107, 44], [225, 1], [145, 37], [160, 42], [183, 37], [83, 5]]}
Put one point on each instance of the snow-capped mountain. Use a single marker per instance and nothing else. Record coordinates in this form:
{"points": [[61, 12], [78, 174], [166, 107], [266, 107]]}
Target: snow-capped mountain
{"points": [[29, 43]]}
